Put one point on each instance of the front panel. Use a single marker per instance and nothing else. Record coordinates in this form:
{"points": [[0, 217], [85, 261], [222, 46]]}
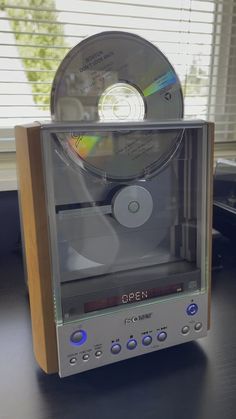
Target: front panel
{"points": [[91, 343], [129, 228]]}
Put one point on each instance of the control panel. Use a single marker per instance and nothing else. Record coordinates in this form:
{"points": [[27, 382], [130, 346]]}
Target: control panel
{"points": [[112, 337]]}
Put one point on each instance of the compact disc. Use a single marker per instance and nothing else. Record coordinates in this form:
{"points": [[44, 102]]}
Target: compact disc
{"points": [[117, 77], [121, 154]]}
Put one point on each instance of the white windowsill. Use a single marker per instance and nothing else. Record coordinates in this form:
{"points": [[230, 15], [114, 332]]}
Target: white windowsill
{"points": [[8, 181], [8, 178]]}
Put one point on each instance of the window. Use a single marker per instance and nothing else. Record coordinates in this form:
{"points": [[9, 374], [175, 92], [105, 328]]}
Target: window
{"points": [[197, 36]]}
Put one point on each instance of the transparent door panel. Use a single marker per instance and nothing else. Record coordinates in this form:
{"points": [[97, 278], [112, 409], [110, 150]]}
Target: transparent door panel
{"points": [[127, 213]]}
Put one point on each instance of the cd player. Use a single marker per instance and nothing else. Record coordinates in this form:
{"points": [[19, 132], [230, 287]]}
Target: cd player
{"points": [[117, 267], [115, 196]]}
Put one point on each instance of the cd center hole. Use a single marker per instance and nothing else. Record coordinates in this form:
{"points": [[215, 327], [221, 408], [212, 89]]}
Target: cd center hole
{"points": [[121, 108], [121, 101]]}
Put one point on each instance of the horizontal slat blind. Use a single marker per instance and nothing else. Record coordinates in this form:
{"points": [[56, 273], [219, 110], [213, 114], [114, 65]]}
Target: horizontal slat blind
{"points": [[198, 37]]}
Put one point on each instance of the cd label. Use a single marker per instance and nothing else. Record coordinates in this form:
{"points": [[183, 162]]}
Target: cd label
{"points": [[96, 59]]}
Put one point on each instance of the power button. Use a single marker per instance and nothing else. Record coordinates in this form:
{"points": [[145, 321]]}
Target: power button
{"points": [[192, 309], [78, 338]]}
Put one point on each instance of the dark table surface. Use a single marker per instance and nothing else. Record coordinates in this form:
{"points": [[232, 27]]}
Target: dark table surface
{"points": [[192, 381]]}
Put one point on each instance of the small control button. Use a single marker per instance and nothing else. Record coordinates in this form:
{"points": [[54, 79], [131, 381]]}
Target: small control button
{"points": [[198, 326], [73, 361], [185, 330], [78, 338], [116, 348], [147, 340], [98, 354], [131, 344], [162, 336], [86, 357], [192, 309]]}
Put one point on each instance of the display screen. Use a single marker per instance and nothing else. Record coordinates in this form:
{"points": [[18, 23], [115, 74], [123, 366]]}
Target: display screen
{"points": [[132, 297]]}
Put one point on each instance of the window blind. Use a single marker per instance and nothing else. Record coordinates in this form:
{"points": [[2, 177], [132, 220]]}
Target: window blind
{"points": [[198, 37]]}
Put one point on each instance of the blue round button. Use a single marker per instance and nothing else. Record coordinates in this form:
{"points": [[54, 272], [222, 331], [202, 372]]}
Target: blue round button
{"points": [[192, 309], [78, 338], [162, 336], [131, 344], [115, 349], [147, 340]]}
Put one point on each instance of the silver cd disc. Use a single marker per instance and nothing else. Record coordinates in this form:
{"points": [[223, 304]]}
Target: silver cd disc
{"points": [[115, 77], [121, 155]]}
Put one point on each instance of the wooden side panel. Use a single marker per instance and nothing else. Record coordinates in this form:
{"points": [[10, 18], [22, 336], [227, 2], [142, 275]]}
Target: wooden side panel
{"points": [[35, 226], [211, 137]]}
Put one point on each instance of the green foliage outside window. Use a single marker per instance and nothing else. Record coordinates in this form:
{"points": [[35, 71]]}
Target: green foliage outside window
{"points": [[36, 39], [42, 46]]}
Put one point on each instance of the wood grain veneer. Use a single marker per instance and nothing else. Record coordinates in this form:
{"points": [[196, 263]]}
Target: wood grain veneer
{"points": [[35, 230]]}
